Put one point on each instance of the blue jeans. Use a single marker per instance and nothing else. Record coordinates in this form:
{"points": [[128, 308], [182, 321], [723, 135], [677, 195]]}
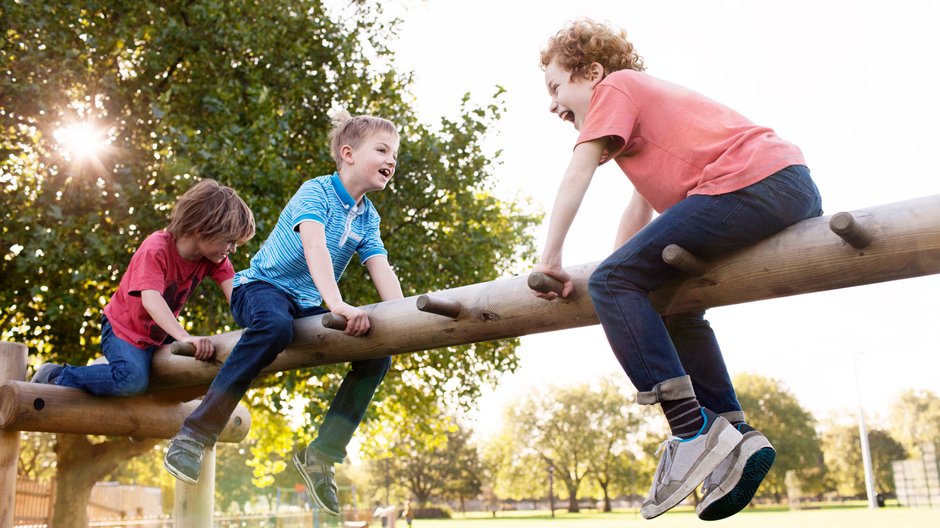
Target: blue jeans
{"points": [[652, 348], [267, 316], [126, 373]]}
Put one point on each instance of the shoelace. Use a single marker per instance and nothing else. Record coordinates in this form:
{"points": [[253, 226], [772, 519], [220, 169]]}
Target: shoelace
{"points": [[668, 445]]}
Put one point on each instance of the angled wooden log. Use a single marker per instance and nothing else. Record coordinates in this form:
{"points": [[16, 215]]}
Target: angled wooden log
{"points": [[53, 409], [804, 258]]}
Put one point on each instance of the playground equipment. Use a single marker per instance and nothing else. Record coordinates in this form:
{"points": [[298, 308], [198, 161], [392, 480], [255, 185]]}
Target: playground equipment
{"points": [[878, 244]]}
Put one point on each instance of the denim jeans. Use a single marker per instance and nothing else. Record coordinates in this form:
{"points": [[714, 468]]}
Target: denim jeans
{"points": [[653, 348], [267, 314], [126, 373]]}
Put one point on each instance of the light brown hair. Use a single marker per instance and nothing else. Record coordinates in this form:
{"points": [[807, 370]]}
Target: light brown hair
{"points": [[584, 41], [213, 212], [352, 131]]}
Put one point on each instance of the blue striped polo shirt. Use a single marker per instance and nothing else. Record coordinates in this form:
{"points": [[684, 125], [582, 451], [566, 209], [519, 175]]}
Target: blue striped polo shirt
{"points": [[349, 229]]}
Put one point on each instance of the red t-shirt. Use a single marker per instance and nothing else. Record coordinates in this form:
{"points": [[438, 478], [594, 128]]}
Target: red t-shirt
{"points": [[157, 265], [672, 142]]}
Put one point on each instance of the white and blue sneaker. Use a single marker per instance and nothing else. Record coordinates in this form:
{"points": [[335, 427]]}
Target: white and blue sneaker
{"points": [[731, 486], [685, 463]]}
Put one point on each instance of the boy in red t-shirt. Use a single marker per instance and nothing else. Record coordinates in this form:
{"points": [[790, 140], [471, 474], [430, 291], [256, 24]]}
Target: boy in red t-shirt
{"points": [[208, 222], [719, 182]]}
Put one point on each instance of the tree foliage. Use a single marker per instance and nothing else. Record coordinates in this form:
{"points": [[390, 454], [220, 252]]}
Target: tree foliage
{"points": [[580, 431], [238, 91], [915, 420], [842, 449]]}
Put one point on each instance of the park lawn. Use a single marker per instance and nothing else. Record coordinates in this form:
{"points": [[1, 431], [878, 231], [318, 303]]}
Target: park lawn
{"points": [[837, 517]]}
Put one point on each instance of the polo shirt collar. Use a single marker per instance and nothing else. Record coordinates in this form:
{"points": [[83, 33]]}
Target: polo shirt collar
{"points": [[341, 192]]}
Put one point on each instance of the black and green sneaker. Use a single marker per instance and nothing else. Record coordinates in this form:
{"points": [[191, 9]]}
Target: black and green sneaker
{"points": [[317, 473]]}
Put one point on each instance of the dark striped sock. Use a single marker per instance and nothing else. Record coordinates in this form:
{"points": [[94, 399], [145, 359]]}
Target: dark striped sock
{"points": [[684, 417]]}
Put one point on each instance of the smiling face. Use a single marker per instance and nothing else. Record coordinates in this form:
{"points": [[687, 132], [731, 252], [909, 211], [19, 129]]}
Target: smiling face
{"points": [[372, 163], [213, 249], [571, 97]]}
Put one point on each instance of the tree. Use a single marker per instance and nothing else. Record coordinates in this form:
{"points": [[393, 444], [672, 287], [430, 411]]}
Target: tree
{"points": [[773, 410], [427, 464], [915, 420], [843, 454], [618, 431], [238, 91], [578, 430]]}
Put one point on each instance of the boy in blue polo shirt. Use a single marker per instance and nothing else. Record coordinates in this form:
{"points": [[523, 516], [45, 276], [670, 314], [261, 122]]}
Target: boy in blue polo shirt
{"points": [[295, 271]]}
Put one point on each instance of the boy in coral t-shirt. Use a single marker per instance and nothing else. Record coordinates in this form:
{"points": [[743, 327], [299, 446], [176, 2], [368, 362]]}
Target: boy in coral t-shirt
{"points": [[208, 222], [719, 182]]}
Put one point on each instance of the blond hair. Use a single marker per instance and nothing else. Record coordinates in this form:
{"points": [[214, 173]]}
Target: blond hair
{"points": [[582, 42], [212, 211], [352, 131]]}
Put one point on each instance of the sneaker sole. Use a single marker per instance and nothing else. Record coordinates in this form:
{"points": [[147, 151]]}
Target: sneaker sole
{"points": [[310, 488], [180, 476], [728, 439], [755, 469]]}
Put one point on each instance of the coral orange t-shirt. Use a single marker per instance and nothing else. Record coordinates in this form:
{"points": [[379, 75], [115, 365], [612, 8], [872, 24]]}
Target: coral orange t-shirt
{"points": [[157, 265], [673, 142]]}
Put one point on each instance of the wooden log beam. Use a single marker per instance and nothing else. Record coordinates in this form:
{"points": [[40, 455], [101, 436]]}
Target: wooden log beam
{"points": [[53, 409], [804, 258]]}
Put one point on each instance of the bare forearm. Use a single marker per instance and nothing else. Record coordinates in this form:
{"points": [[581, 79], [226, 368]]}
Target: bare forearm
{"points": [[160, 312]]}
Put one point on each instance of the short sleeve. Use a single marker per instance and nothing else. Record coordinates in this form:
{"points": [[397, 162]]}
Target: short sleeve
{"points": [[371, 244], [148, 268], [311, 203], [223, 271], [612, 114]]}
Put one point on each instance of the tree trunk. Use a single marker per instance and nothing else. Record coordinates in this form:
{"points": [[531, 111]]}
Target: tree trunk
{"points": [[607, 506], [573, 498], [80, 464]]}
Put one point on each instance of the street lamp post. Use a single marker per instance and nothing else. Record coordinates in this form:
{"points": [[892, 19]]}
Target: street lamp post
{"points": [[863, 436], [551, 488]]}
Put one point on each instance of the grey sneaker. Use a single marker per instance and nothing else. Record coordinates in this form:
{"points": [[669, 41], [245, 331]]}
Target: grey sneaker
{"points": [[184, 458], [319, 478], [685, 463], [732, 485], [47, 373]]}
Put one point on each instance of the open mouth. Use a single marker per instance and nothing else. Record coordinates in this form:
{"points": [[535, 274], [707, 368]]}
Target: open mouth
{"points": [[385, 172], [567, 115]]}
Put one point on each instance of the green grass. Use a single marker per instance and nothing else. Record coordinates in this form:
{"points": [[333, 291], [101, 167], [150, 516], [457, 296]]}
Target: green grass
{"points": [[826, 517]]}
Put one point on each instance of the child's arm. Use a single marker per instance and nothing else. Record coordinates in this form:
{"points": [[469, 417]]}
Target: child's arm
{"points": [[635, 217], [161, 314], [384, 278], [226, 286], [313, 238], [571, 191]]}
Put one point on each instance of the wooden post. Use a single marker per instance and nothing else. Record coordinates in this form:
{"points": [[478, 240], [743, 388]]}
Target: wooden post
{"points": [[844, 225], [194, 504], [12, 367], [54, 409], [803, 258], [682, 260], [439, 306]]}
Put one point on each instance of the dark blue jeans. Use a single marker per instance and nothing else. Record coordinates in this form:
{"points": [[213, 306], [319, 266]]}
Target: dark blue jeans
{"points": [[126, 373], [267, 316], [653, 349]]}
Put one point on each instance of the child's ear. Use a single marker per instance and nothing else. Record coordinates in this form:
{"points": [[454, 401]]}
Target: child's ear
{"points": [[595, 73], [345, 152]]}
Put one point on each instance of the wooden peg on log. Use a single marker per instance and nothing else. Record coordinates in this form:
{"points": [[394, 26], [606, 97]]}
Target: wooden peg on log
{"points": [[439, 306], [844, 225], [541, 282], [682, 260], [334, 321]]}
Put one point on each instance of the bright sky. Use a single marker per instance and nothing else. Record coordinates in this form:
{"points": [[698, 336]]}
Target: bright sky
{"points": [[853, 83]]}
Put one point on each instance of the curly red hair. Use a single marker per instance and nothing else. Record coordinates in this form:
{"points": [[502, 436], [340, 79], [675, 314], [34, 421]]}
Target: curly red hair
{"points": [[584, 41]]}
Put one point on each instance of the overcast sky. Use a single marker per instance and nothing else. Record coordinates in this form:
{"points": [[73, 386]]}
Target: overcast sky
{"points": [[853, 83]]}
